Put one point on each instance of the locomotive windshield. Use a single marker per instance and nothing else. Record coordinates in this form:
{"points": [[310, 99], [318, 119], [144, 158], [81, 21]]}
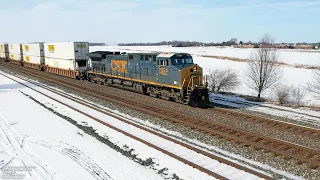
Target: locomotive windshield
{"points": [[181, 59]]}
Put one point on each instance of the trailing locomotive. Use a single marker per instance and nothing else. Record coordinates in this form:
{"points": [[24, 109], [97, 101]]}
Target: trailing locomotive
{"points": [[171, 76]]}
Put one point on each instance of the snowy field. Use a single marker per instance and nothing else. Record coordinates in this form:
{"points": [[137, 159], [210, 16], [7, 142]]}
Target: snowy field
{"points": [[290, 56], [291, 76], [51, 141]]}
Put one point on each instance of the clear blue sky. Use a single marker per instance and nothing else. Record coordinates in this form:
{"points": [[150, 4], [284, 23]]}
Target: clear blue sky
{"points": [[114, 21]]}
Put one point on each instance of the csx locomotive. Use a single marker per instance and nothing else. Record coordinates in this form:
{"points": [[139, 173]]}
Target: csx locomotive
{"points": [[171, 76]]}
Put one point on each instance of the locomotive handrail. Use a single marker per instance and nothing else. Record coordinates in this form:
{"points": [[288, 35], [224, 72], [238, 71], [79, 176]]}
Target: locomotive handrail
{"points": [[183, 81]]}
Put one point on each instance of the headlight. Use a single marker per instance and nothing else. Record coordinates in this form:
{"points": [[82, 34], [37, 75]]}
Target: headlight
{"points": [[195, 69]]}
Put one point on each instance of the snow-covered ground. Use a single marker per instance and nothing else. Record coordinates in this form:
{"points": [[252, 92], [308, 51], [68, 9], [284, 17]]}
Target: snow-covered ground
{"points": [[291, 76], [36, 138], [290, 56], [44, 136]]}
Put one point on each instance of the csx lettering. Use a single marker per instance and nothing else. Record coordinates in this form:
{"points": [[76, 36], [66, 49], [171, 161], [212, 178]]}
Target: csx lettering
{"points": [[163, 71], [119, 66]]}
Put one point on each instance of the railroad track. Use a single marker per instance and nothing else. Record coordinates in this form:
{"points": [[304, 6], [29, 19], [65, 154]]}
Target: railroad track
{"points": [[125, 120], [272, 123], [289, 150], [251, 104]]}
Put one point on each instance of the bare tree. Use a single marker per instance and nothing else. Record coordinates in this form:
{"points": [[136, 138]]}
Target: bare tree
{"points": [[262, 71], [314, 84], [213, 78], [229, 80], [298, 93], [282, 93], [226, 79]]}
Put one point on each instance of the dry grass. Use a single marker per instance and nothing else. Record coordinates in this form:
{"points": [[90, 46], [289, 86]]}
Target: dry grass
{"points": [[253, 98], [256, 99]]}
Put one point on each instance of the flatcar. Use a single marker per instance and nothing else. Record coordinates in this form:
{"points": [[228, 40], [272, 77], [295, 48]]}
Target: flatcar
{"points": [[170, 76]]}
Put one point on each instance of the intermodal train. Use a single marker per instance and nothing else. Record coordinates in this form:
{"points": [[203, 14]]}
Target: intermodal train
{"points": [[169, 76]]}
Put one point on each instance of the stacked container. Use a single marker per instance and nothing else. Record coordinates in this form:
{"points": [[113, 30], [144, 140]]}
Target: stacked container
{"points": [[4, 51], [15, 52], [66, 55], [33, 53]]}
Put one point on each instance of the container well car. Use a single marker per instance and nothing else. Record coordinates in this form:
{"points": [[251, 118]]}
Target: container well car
{"points": [[15, 52], [4, 51], [33, 55]]}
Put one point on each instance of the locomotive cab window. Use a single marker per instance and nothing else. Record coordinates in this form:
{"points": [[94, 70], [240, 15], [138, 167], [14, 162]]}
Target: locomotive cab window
{"points": [[164, 62], [167, 62], [181, 59], [141, 57], [131, 57]]}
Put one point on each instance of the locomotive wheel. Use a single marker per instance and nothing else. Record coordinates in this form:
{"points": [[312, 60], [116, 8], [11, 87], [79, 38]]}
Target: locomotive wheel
{"points": [[153, 95], [193, 103], [165, 97]]}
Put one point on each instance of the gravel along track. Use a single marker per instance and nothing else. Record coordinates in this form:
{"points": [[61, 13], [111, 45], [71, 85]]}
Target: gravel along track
{"points": [[201, 153], [201, 128], [299, 130]]}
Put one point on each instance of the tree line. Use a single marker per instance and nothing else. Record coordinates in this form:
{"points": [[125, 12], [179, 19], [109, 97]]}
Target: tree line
{"points": [[233, 41]]}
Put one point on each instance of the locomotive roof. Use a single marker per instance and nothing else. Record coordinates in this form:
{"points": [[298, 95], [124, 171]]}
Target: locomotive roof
{"points": [[144, 52], [105, 52], [166, 55]]}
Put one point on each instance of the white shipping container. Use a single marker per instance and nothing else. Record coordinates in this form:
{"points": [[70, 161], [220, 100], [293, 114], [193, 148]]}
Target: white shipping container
{"points": [[4, 51], [33, 53], [15, 52], [61, 63], [67, 50]]}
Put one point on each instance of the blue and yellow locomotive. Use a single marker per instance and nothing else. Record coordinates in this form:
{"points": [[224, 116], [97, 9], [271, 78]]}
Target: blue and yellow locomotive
{"points": [[171, 76]]}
